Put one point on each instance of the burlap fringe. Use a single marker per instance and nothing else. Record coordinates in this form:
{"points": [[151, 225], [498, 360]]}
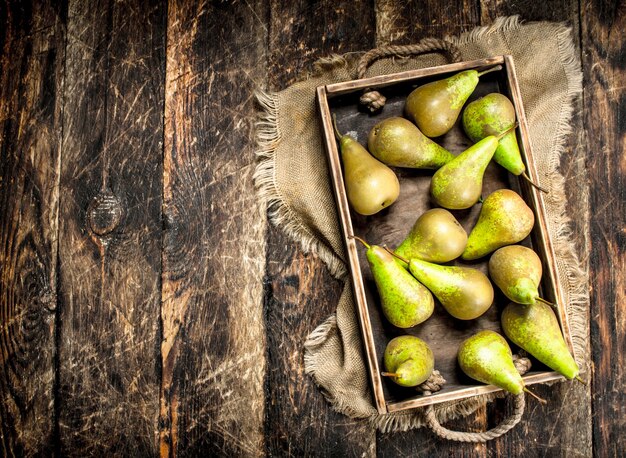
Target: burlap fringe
{"points": [[575, 269], [268, 138]]}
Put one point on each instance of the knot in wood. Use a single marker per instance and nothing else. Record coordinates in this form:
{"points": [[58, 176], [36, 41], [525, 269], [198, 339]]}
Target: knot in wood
{"points": [[104, 213]]}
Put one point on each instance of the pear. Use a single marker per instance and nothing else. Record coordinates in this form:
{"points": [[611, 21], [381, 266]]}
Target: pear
{"points": [[435, 106], [408, 360], [464, 292], [436, 237], [370, 184], [487, 357], [535, 328], [459, 183], [490, 115], [404, 301], [516, 270], [397, 142], [504, 219]]}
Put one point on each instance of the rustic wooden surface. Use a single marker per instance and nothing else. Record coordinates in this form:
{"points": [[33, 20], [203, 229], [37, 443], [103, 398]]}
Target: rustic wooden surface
{"points": [[147, 306]]}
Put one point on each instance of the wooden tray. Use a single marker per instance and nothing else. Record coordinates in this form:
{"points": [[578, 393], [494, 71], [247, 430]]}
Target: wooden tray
{"points": [[442, 332]]}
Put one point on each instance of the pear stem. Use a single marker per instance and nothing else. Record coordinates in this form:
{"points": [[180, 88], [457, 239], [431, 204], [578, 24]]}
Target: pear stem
{"points": [[367, 245], [578, 379], [543, 401], [335, 128], [406, 261], [390, 374], [541, 299], [506, 132], [527, 178], [489, 70]]}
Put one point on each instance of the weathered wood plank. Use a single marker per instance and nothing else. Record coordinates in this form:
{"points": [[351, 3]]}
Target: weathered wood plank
{"points": [[110, 231], [300, 291], [605, 120], [213, 348], [32, 48], [405, 22]]}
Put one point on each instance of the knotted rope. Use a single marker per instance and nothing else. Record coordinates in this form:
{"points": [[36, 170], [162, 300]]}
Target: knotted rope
{"points": [[374, 100], [436, 382]]}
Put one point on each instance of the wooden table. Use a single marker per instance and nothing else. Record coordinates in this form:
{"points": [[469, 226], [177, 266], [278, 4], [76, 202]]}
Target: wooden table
{"points": [[148, 307]]}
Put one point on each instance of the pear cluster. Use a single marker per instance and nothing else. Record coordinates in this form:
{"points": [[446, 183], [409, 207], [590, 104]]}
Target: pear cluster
{"points": [[422, 268]]}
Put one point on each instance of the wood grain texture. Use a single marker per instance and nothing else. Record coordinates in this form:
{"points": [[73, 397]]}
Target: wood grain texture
{"points": [[605, 119], [110, 232], [213, 348], [402, 22], [32, 48], [300, 293]]}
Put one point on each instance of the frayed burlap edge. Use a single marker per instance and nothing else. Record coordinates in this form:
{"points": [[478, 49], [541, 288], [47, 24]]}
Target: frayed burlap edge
{"points": [[268, 138], [571, 269]]}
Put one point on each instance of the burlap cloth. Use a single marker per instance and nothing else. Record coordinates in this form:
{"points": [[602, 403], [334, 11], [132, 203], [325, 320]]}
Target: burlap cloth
{"points": [[292, 179]]}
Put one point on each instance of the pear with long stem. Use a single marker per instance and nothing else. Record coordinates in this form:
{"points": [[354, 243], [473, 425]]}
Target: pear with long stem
{"points": [[517, 271], [490, 115], [405, 302], [370, 185], [408, 361], [436, 106], [459, 184]]}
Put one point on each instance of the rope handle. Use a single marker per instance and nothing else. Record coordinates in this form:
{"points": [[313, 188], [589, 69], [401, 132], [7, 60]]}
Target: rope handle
{"points": [[374, 100], [436, 382]]}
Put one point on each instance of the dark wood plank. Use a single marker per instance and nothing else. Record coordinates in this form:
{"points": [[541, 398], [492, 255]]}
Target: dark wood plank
{"points": [[110, 232], [32, 48], [401, 22], [605, 120], [213, 348], [300, 293]]}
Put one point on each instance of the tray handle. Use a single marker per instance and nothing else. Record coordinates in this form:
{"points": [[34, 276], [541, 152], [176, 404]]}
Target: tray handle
{"points": [[374, 100], [522, 364]]}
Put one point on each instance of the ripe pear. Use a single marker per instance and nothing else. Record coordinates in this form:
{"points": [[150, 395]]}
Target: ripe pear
{"points": [[517, 270], [370, 184], [491, 115], [397, 142], [408, 360], [435, 106], [487, 357], [504, 219], [404, 301], [436, 237], [464, 292], [535, 328], [459, 183]]}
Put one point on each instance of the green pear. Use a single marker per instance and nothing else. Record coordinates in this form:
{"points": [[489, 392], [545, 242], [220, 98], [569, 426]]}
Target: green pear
{"points": [[404, 301], [397, 142], [487, 357], [436, 106], [408, 360], [436, 237], [459, 183], [465, 293], [370, 184], [535, 328], [504, 219], [517, 270], [490, 115]]}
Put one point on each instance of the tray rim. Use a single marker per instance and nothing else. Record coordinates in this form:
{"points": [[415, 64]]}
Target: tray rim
{"points": [[326, 92]]}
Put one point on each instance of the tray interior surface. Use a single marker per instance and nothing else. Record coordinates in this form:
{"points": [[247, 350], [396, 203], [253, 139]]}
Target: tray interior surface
{"points": [[441, 331]]}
